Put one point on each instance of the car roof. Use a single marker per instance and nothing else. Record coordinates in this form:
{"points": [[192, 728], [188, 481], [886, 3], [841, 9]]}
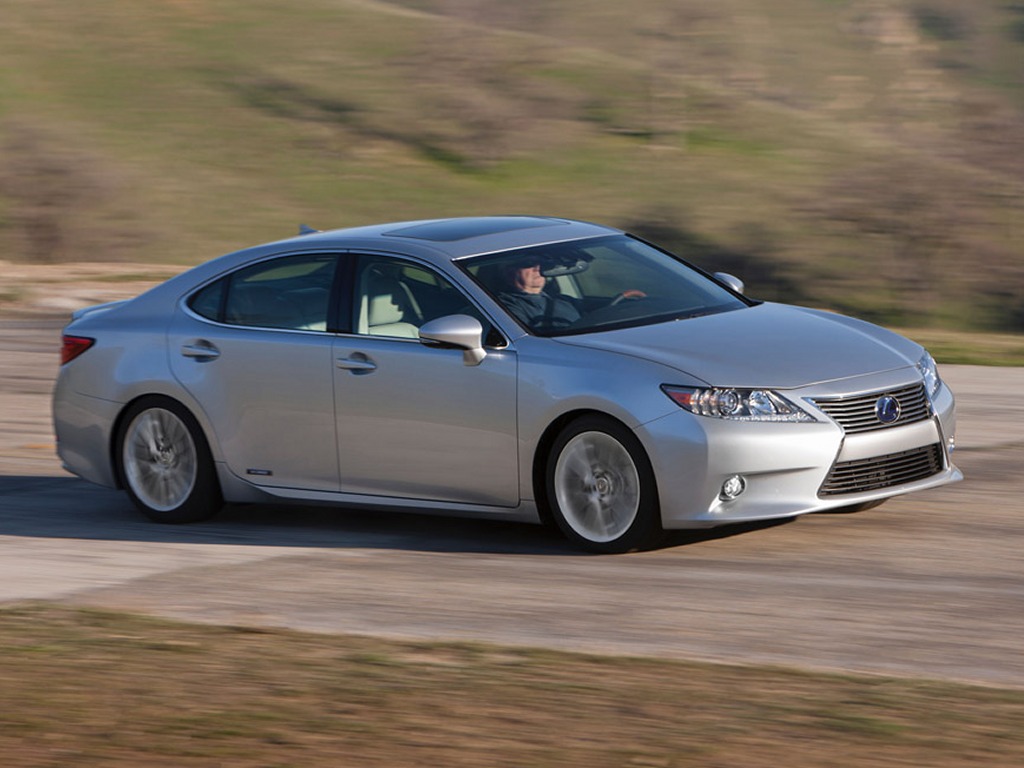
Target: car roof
{"points": [[455, 237]]}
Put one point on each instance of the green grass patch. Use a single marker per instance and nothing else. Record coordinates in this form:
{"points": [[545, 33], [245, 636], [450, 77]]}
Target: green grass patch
{"points": [[97, 688]]}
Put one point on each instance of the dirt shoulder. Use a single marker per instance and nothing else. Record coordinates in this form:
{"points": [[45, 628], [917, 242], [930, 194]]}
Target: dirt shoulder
{"points": [[33, 290], [89, 688], [928, 585]]}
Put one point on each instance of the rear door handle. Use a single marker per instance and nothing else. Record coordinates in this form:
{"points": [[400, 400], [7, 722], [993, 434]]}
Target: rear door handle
{"points": [[358, 363], [200, 350]]}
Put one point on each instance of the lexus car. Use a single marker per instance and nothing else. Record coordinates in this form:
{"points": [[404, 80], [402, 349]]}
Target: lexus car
{"points": [[511, 367]]}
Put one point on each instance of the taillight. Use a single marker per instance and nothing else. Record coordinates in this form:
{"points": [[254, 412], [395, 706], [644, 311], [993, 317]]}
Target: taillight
{"points": [[72, 346]]}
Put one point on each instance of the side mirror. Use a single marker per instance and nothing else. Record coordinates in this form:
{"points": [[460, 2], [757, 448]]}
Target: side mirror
{"points": [[731, 280], [456, 332]]}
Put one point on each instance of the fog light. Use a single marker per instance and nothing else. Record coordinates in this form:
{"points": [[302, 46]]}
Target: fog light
{"points": [[733, 487], [952, 444]]}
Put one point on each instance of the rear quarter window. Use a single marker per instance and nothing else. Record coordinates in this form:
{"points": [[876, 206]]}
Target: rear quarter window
{"points": [[209, 302]]}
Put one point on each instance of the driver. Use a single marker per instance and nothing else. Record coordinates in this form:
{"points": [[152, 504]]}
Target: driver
{"points": [[524, 297]]}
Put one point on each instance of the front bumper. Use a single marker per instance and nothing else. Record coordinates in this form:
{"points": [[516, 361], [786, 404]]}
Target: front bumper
{"points": [[792, 469]]}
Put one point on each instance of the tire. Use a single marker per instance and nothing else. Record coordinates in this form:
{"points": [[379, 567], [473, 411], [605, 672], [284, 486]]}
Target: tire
{"points": [[600, 487], [165, 463]]}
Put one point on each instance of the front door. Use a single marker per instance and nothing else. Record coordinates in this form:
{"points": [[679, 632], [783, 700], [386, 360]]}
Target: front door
{"points": [[414, 421]]}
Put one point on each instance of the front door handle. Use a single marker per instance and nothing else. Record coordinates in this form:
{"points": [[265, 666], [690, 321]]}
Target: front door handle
{"points": [[200, 350], [358, 363]]}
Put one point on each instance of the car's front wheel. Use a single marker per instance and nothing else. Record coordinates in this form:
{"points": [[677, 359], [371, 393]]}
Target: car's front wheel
{"points": [[165, 463], [601, 487]]}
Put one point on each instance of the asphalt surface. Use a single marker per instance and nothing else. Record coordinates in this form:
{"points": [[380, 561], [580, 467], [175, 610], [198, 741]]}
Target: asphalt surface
{"points": [[930, 585]]}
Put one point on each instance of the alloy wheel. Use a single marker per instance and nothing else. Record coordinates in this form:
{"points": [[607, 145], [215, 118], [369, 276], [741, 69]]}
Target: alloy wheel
{"points": [[597, 486], [159, 459]]}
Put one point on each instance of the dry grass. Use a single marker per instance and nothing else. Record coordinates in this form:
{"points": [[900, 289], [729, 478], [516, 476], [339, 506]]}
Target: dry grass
{"points": [[966, 348], [86, 688]]}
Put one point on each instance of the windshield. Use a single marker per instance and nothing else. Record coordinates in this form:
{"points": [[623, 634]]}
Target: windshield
{"points": [[597, 284]]}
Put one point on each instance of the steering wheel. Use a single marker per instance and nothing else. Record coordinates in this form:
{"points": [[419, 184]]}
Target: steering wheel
{"points": [[631, 293]]}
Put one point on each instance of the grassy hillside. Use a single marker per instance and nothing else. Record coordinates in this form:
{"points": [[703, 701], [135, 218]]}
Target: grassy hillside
{"points": [[863, 155]]}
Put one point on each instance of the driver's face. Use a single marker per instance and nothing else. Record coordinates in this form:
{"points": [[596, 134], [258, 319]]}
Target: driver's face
{"points": [[528, 279]]}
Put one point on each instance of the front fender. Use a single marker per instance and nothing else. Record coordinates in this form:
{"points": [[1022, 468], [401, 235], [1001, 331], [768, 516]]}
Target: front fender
{"points": [[557, 381]]}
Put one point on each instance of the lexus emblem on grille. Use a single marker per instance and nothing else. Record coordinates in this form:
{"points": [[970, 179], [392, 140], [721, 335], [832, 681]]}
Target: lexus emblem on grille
{"points": [[888, 409]]}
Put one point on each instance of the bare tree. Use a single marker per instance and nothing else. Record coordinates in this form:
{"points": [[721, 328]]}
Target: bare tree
{"points": [[42, 184]]}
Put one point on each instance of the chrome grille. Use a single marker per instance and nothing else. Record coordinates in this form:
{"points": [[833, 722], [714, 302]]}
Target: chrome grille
{"points": [[882, 471], [857, 414]]}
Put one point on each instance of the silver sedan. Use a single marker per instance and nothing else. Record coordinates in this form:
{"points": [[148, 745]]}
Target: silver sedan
{"points": [[519, 368]]}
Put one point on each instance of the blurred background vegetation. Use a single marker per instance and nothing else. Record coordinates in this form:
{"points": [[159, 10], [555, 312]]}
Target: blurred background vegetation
{"points": [[861, 155]]}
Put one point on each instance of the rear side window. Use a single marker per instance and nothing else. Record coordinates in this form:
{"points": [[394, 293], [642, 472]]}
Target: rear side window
{"points": [[292, 293]]}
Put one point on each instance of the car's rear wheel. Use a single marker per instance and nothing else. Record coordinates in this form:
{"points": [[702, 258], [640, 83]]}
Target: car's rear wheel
{"points": [[601, 488], [165, 463]]}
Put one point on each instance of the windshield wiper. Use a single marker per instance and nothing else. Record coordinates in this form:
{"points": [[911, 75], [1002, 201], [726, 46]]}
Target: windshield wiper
{"points": [[705, 311]]}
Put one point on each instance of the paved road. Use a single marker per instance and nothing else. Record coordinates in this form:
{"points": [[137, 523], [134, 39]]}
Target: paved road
{"points": [[929, 585]]}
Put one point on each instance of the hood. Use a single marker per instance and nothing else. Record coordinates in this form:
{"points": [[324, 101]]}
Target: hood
{"points": [[768, 345]]}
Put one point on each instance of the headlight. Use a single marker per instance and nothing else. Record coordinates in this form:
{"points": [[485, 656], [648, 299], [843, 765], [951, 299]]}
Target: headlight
{"points": [[930, 374], [736, 404]]}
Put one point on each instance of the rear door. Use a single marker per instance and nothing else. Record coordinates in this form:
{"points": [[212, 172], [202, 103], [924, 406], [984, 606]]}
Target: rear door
{"points": [[254, 351]]}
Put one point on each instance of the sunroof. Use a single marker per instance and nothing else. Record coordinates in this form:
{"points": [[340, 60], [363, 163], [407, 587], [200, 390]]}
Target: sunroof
{"points": [[451, 230]]}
